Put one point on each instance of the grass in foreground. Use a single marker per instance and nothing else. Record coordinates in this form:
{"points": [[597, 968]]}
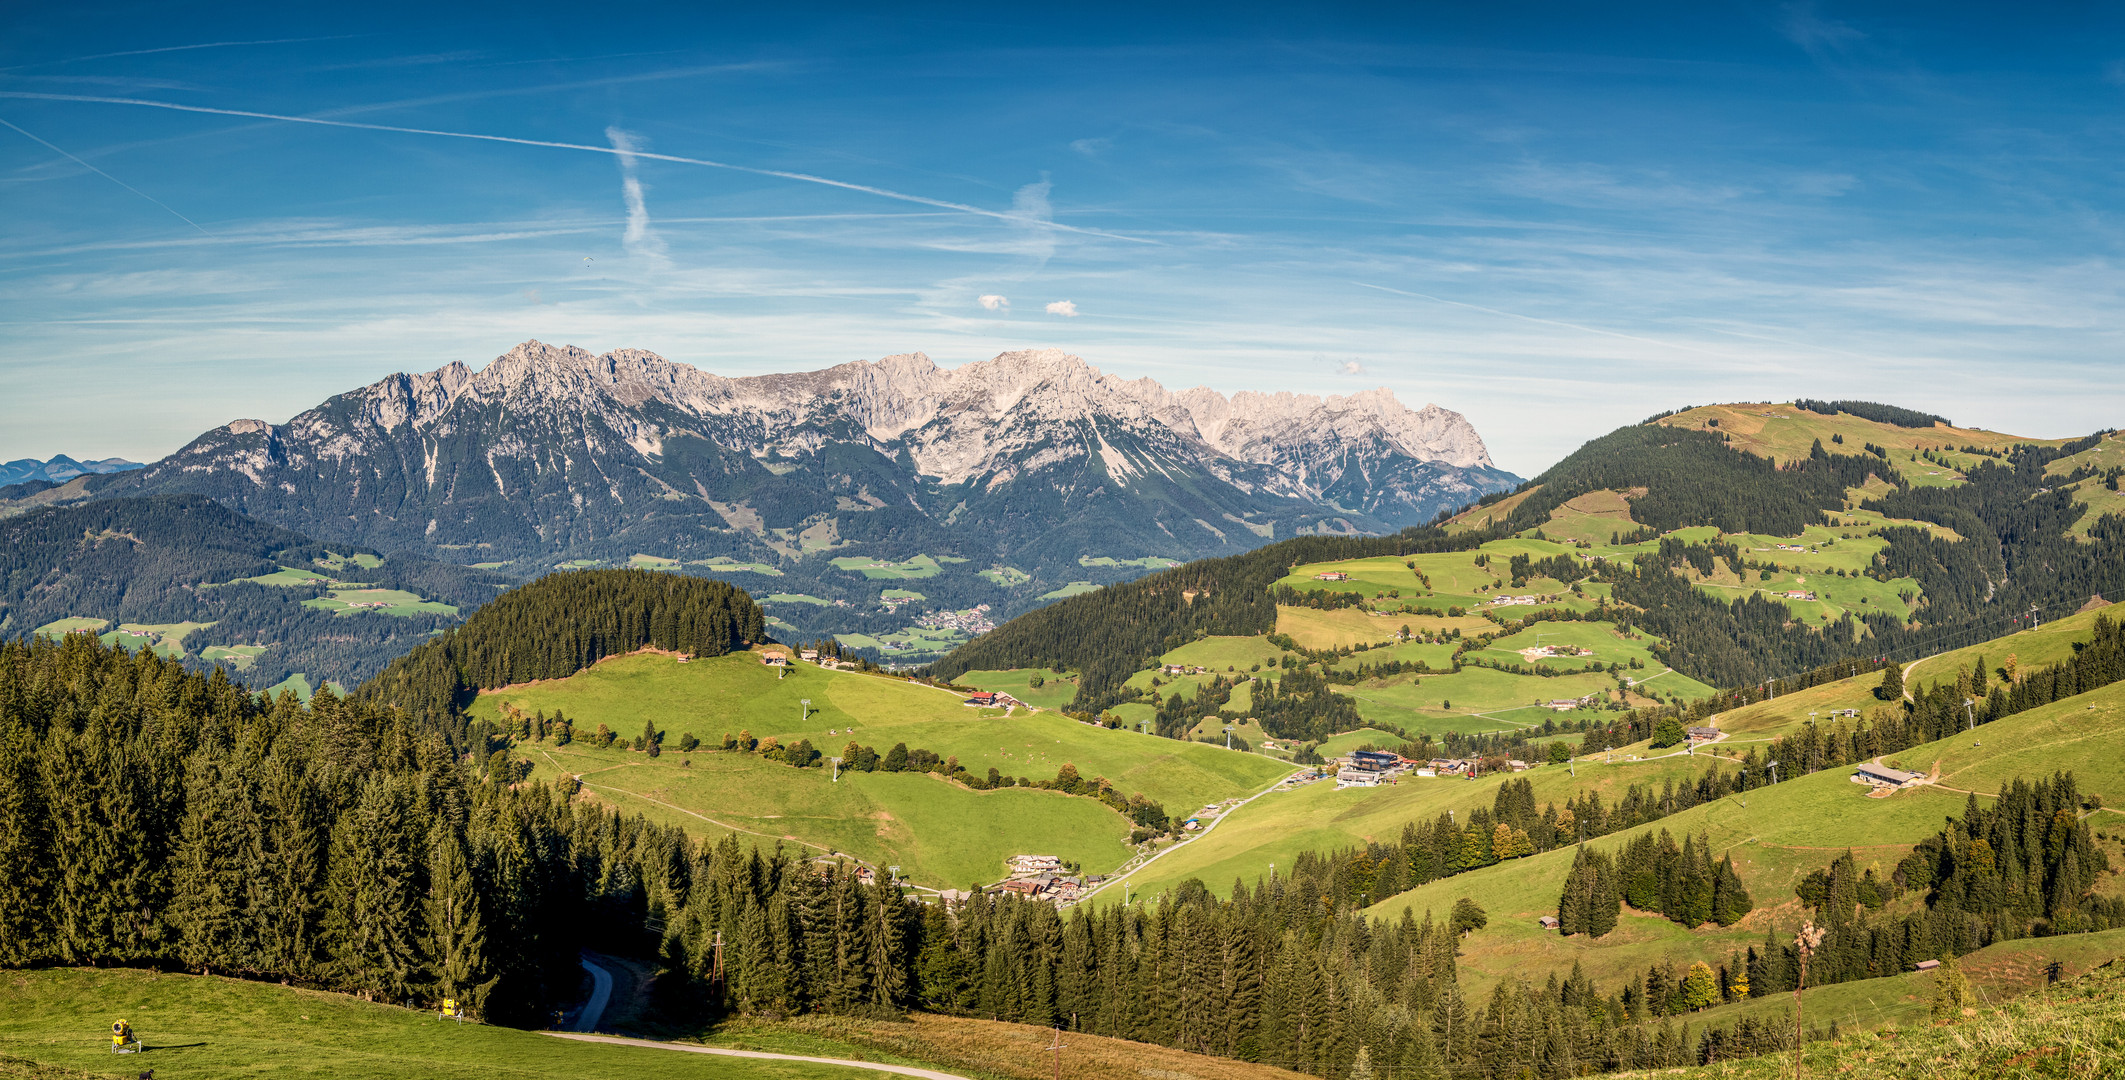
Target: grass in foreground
{"points": [[215, 1027]]}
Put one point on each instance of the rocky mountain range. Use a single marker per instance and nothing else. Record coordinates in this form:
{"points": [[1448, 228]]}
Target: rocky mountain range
{"points": [[1018, 475]]}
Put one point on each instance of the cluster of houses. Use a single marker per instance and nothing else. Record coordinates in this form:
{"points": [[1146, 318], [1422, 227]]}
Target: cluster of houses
{"points": [[992, 699], [1041, 877], [1568, 704], [1543, 651], [1797, 594], [1331, 575], [1702, 734], [973, 621], [1516, 601], [1369, 768], [1464, 767]]}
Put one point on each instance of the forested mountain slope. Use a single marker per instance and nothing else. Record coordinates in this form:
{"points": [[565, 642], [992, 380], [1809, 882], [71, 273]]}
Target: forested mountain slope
{"points": [[854, 498], [1675, 519], [191, 578]]}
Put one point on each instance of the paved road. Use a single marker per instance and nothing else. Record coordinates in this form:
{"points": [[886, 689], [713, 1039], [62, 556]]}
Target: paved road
{"points": [[904, 1070], [1207, 830], [600, 994]]}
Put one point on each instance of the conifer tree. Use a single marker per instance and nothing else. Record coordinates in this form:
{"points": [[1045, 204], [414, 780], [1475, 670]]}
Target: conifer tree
{"points": [[372, 893], [209, 885], [1892, 684], [457, 934], [24, 913]]}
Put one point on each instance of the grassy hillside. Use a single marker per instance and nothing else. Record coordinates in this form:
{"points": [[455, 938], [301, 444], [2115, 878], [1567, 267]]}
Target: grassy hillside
{"points": [[2048, 643], [2067, 1030], [1276, 828], [1781, 432], [1783, 833], [941, 834], [219, 1027]]}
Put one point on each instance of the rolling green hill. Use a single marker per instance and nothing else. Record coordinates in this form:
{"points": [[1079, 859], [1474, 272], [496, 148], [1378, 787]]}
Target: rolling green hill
{"points": [[941, 834], [1783, 833]]}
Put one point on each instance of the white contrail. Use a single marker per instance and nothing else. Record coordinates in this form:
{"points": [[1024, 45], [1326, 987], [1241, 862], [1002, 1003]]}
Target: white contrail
{"points": [[184, 48], [886, 193], [108, 176], [1548, 322]]}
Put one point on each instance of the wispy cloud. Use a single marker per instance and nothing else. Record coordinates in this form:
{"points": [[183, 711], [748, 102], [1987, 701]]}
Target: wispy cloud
{"points": [[783, 174], [1065, 308], [1351, 367], [108, 176], [994, 302], [638, 239]]}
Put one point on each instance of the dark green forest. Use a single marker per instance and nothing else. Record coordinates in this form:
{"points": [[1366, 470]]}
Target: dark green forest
{"points": [[1875, 411]]}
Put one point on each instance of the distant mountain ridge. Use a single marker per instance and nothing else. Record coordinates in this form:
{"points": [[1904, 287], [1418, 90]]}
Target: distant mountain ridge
{"points": [[1034, 460], [59, 469]]}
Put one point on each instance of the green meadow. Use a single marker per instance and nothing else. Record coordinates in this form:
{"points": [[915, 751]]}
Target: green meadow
{"points": [[165, 639], [1780, 835], [726, 564], [361, 561], [940, 834], [211, 1026], [729, 694], [1054, 691], [1337, 745], [290, 575], [72, 624], [1074, 588], [379, 601], [921, 566], [1005, 576], [2048, 643], [233, 657], [1277, 827], [1149, 562]]}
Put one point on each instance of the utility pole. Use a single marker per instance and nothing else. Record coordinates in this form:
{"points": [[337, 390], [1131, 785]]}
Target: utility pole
{"points": [[1970, 711], [804, 709]]}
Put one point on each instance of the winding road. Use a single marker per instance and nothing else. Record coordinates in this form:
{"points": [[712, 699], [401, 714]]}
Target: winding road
{"points": [[687, 1048], [600, 996]]}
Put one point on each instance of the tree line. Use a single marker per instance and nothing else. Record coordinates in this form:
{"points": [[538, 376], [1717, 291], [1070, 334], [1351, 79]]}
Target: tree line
{"points": [[559, 625]]}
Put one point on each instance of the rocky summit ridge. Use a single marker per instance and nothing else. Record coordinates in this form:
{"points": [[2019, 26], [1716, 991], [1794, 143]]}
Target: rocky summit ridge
{"points": [[1034, 460], [900, 394]]}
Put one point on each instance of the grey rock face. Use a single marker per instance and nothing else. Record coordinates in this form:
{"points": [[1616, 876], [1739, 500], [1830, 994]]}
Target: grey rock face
{"points": [[1033, 459]]}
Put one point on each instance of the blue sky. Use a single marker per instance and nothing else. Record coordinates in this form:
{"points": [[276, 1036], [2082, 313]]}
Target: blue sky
{"points": [[1555, 218]]}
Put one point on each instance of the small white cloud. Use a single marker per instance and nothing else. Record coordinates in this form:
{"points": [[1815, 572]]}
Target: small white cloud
{"points": [[996, 303], [1092, 147], [1352, 367], [1065, 308]]}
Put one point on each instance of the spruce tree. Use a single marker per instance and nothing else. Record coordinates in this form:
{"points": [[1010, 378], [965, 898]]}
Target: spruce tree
{"points": [[1892, 684], [372, 893], [25, 935], [457, 934]]}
